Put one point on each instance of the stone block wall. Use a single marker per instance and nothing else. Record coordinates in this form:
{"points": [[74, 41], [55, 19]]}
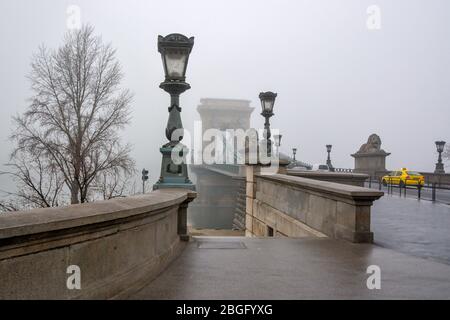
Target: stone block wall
{"points": [[282, 205], [119, 245]]}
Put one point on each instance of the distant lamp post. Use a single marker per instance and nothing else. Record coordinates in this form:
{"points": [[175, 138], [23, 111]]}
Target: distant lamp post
{"points": [[330, 166], [144, 179], [175, 49], [277, 139], [294, 152], [267, 102], [439, 165]]}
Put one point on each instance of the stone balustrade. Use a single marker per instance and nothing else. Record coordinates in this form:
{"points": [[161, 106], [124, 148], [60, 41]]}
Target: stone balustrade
{"points": [[354, 179], [283, 205], [119, 246]]}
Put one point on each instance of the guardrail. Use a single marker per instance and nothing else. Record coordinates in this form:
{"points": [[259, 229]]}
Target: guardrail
{"points": [[431, 192], [439, 179], [345, 170]]}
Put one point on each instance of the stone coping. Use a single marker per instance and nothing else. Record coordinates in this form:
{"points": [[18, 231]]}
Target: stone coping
{"points": [[325, 174], [370, 154], [337, 189], [221, 103], [40, 220]]}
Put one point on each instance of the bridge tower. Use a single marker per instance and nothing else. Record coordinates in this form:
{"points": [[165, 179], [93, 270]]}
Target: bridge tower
{"points": [[219, 186]]}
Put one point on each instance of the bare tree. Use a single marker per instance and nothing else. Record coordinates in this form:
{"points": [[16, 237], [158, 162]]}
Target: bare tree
{"points": [[113, 184], [39, 183], [71, 129]]}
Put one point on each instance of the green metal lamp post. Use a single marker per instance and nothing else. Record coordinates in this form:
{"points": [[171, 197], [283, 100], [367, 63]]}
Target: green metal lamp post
{"points": [[277, 140], [330, 166], [440, 165], [175, 49], [267, 102]]}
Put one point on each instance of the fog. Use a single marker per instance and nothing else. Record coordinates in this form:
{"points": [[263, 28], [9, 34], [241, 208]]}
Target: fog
{"points": [[337, 80]]}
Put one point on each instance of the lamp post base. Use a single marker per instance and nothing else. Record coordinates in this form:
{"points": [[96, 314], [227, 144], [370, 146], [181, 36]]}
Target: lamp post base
{"points": [[330, 166], [174, 175], [439, 168], [175, 184]]}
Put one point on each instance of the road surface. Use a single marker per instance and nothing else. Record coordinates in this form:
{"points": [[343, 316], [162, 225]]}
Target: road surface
{"points": [[419, 228]]}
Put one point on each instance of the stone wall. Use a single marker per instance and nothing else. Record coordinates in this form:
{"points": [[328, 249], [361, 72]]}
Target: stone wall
{"points": [[119, 245], [353, 179], [283, 205]]}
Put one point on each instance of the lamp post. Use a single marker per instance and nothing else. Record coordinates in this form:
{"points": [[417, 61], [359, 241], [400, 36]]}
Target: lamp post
{"points": [[175, 49], [267, 102], [439, 165], [330, 166], [294, 152], [277, 139], [144, 179]]}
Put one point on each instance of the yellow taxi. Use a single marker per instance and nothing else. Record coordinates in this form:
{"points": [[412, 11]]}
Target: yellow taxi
{"points": [[404, 177]]}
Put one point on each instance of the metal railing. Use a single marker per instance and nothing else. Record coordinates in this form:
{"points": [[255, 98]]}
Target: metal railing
{"points": [[432, 192], [343, 170]]}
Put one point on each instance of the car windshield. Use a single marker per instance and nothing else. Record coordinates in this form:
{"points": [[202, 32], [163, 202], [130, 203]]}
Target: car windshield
{"points": [[413, 173], [323, 167]]}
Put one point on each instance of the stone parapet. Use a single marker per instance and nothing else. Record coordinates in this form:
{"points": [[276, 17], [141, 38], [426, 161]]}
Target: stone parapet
{"points": [[283, 205], [119, 245]]}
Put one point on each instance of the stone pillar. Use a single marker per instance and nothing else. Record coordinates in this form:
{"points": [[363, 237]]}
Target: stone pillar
{"points": [[370, 163], [250, 192], [370, 158], [182, 218]]}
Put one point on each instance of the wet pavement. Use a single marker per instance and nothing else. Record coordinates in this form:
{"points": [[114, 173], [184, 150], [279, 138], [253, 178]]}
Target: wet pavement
{"points": [[419, 228], [412, 249], [282, 268]]}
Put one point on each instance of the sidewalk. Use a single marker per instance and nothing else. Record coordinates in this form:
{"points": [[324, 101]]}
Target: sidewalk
{"points": [[282, 268]]}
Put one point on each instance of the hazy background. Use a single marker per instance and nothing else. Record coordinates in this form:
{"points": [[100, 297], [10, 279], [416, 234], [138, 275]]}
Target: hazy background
{"points": [[337, 81]]}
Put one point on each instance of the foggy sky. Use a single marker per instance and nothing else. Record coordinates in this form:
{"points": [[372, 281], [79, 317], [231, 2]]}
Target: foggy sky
{"points": [[337, 81]]}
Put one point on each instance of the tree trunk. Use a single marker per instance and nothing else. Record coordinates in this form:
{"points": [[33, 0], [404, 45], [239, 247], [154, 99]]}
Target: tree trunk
{"points": [[74, 193]]}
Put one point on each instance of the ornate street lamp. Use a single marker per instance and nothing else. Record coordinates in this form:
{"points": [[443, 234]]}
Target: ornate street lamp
{"points": [[330, 166], [277, 140], [175, 49], [439, 165], [267, 102], [294, 152]]}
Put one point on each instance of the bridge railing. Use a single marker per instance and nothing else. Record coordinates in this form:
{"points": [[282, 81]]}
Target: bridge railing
{"points": [[113, 247], [344, 170], [431, 192], [285, 205]]}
